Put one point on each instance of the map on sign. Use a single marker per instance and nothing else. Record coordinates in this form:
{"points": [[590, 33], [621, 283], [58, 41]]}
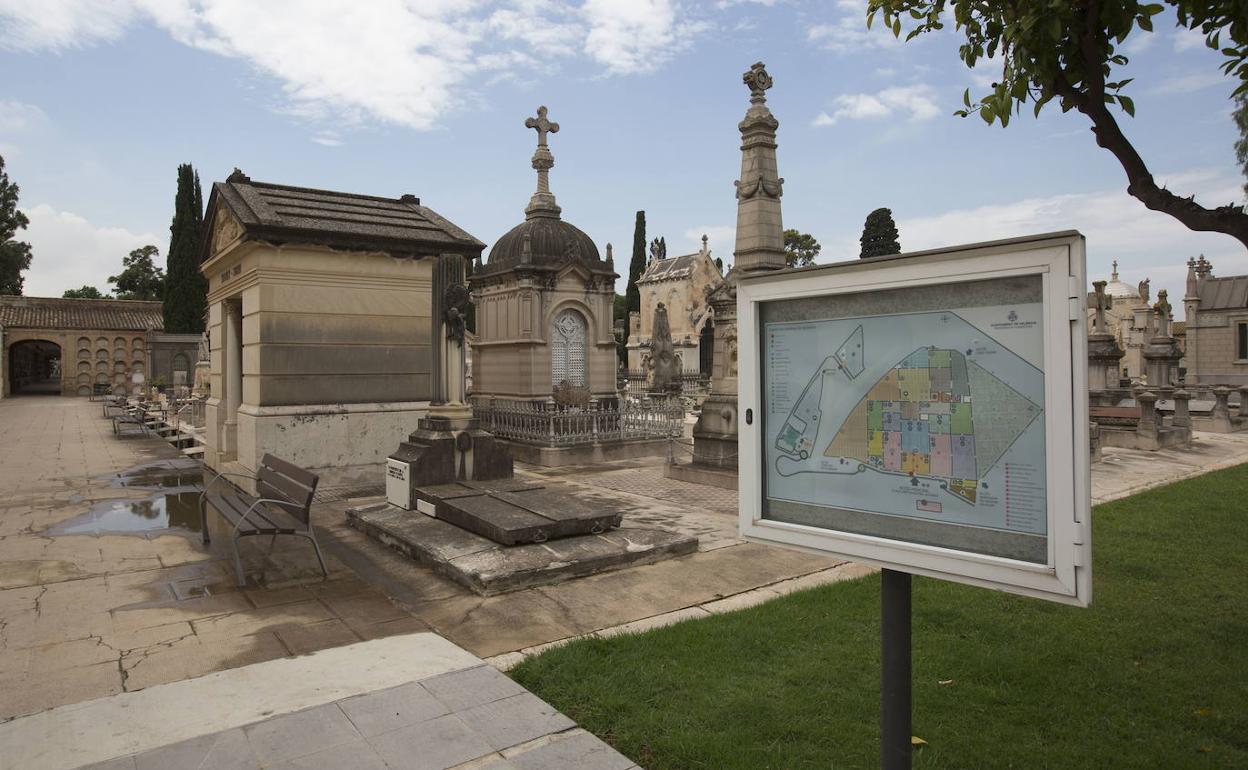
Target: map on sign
{"points": [[933, 415]]}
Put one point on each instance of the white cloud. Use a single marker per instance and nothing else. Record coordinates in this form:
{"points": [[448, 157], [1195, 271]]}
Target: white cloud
{"points": [[914, 102], [1117, 226], [849, 33], [628, 36], [61, 24], [18, 116], [70, 251], [405, 62], [1181, 84], [1186, 39]]}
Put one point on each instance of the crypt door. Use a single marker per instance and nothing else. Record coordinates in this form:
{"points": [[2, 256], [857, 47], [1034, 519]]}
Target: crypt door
{"points": [[567, 348]]}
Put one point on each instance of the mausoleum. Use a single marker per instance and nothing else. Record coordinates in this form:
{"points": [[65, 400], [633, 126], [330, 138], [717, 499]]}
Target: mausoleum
{"points": [[682, 285], [544, 302], [319, 308]]}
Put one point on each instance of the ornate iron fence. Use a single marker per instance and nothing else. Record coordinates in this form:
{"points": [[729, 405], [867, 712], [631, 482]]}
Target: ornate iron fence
{"points": [[534, 422]]}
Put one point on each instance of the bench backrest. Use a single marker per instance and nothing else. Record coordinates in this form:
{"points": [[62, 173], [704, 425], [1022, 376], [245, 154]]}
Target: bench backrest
{"points": [[281, 480]]}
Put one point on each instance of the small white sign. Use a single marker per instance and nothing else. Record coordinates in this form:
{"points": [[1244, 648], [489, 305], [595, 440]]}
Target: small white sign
{"points": [[925, 413], [398, 489]]}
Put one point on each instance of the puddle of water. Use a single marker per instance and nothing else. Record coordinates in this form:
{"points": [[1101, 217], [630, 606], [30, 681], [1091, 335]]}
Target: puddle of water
{"points": [[171, 510]]}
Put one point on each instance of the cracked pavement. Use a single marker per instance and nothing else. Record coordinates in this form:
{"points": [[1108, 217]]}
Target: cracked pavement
{"points": [[88, 615]]}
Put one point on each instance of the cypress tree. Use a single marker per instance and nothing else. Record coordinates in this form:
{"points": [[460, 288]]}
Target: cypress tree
{"points": [[879, 235], [186, 289], [638, 264]]}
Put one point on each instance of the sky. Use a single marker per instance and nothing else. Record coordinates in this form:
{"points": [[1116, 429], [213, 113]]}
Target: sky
{"points": [[100, 101]]}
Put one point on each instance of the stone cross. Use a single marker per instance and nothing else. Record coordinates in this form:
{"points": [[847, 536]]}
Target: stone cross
{"points": [[758, 81], [542, 125], [1098, 322], [543, 160]]}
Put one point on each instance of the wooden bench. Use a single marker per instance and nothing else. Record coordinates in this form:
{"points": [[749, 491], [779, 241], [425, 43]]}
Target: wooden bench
{"points": [[282, 507]]}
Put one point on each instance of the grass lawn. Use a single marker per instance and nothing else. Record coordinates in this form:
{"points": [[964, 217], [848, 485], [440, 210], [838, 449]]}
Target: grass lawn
{"points": [[1154, 674]]}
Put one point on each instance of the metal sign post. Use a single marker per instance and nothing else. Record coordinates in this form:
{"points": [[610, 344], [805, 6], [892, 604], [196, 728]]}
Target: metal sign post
{"points": [[895, 670]]}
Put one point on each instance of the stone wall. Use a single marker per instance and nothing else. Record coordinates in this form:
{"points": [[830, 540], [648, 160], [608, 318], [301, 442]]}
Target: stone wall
{"points": [[88, 356], [335, 356], [1212, 354]]}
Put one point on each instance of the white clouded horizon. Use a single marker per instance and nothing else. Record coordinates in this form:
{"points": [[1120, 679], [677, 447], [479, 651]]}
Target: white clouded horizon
{"points": [[1114, 223], [397, 61], [915, 102], [69, 251]]}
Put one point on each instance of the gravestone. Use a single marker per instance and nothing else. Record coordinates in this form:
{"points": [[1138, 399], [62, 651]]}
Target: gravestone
{"points": [[666, 375]]}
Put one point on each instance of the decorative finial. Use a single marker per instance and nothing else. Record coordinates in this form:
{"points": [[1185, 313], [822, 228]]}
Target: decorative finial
{"points": [[237, 175], [758, 81], [543, 201], [610, 257], [1114, 275], [704, 250]]}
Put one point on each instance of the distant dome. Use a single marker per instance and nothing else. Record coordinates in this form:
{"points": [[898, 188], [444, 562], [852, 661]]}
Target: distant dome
{"points": [[1120, 290], [551, 242]]}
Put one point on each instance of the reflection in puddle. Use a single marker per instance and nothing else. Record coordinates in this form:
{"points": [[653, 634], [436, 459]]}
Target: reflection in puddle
{"points": [[177, 510]]}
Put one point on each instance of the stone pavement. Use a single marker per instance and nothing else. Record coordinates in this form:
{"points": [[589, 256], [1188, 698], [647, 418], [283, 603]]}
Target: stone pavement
{"points": [[91, 614], [414, 701]]}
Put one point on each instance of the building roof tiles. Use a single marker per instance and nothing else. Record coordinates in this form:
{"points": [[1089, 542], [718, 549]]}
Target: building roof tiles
{"points": [[51, 313]]}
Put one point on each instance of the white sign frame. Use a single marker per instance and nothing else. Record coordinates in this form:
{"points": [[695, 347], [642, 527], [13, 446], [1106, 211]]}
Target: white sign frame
{"points": [[1059, 259]]}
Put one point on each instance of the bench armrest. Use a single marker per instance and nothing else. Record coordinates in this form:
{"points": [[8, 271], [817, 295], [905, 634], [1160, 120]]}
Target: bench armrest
{"points": [[283, 503], [220, 475]]}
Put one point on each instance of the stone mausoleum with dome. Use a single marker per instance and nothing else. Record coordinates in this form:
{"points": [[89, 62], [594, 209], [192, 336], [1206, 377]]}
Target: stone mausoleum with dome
{"points": [[1129, 319], [544, 303]]}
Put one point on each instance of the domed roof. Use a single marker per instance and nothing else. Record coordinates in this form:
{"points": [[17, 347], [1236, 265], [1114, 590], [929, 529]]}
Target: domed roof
{"points": [[1120, 290], [551, 241]]}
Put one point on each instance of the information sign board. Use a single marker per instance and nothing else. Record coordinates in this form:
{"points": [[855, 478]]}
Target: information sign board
{"points": [[924, 412]]}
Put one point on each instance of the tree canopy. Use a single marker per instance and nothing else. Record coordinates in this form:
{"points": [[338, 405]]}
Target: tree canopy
{"points": [[15, 255], [186, 290], [1067, 50], [800, 249], [637, 265], [879, 235], [140, 278], [86, 292]]}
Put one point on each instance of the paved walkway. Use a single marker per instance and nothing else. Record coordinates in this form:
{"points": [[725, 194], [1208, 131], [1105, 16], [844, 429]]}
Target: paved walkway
{"points": [[415, 702]]}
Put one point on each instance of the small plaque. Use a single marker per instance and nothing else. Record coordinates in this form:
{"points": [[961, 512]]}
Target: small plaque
{"points": [[398, 488]]}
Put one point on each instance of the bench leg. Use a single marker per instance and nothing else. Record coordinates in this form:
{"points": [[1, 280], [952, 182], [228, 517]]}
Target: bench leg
{"points": [[238, 564], [203, 520], [317, 547]]}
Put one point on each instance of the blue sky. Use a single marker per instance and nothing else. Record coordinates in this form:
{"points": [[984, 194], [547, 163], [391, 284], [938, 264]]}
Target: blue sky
{"points": [[102, 99]]}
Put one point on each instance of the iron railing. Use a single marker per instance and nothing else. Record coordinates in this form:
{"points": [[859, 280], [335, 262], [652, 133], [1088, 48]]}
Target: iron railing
{"points": [[546, 424]]}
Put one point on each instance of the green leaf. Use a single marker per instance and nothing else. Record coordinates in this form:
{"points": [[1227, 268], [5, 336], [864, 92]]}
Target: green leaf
{"points": [[897, 27], [987, 113], [966, 97], [1152, 9], [1128, 106]]}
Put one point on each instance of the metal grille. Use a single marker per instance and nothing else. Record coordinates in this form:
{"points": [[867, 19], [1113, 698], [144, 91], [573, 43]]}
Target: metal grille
{"points": [[546, 424], [567, 348]]}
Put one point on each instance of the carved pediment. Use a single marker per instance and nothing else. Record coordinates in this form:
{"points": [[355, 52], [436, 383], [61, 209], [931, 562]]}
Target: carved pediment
{"points": [[225, 230]]}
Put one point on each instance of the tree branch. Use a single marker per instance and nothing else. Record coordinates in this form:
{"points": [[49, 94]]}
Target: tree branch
{"points": [[1229, 219]]}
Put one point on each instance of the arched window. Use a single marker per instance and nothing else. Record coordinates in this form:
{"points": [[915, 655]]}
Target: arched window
{"points": [[181, 363], [567, 348]]}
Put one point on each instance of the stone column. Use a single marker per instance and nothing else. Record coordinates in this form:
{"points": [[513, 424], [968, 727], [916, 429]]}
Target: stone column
{"points": [[1104, 354], [1222, 410], [1148, 428], [759, 247], [1182, 411], [450, 302], [233, 373], [1243, 401]]}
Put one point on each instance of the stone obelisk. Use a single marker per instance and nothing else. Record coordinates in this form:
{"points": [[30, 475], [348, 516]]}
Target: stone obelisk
{"points": [[759, 247]]}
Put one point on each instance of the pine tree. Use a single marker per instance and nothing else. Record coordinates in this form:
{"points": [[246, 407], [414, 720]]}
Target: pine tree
{"points": [[14, 254], [638, 264], [879, 235], [186, 289]]}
